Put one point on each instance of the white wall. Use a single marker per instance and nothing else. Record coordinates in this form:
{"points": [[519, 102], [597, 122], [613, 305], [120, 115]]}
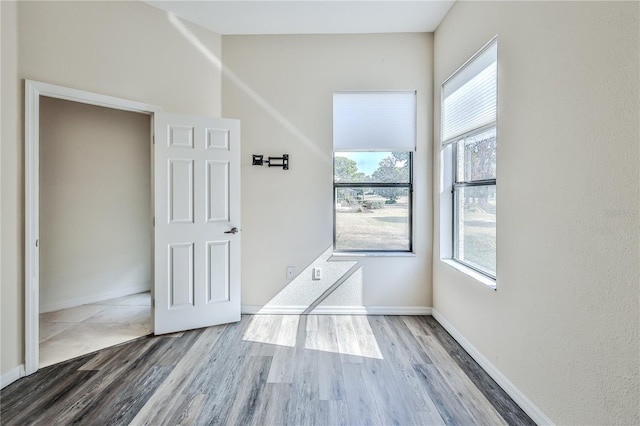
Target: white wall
{"points": [[95, 203], [125, 49], [11, 292], [563, 324], [281, 87]]}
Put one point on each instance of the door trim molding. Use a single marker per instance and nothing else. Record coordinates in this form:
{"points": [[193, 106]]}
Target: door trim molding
{"points": [[32, 92]]}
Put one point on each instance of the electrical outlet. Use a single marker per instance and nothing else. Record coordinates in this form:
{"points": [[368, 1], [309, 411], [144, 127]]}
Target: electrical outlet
{"points": [[290, 272], [317, 273]]}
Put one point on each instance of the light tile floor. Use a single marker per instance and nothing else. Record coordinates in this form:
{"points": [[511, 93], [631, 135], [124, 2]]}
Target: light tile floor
{"points": [[73, 332]]}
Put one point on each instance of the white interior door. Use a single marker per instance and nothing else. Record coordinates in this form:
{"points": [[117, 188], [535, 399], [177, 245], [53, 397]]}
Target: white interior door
{"points": [[197, 222]]}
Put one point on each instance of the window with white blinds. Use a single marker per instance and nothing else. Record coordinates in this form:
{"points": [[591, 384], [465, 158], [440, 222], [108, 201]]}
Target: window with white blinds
{"points": [[469, 145], [374, 121], [469, 96], [374, 138]]}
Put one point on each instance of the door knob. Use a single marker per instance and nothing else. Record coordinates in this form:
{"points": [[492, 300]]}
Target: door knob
{"points": [[233, 230]]}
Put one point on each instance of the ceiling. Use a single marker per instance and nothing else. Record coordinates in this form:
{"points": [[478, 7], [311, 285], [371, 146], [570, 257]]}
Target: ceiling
{"points": [[310, 17]]}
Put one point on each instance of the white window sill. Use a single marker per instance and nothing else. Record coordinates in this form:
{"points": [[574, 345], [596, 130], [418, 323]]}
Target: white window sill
{"points": [[361, 254], [483, 279]]}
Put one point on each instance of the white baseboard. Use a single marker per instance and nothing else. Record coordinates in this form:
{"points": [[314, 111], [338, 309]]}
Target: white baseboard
{"points": [[101, 297], [11, 376], [336, 310], [398, 310], [525, 403]]}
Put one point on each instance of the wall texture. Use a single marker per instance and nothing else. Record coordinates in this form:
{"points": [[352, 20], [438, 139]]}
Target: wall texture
{"points": [[95, 203], [11, 291], [563, 323], [125, 49], [281, 87]]}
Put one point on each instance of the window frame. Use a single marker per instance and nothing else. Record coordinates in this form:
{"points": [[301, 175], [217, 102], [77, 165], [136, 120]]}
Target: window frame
{"points": [[449, 173], [455, 186], [408, 185]]}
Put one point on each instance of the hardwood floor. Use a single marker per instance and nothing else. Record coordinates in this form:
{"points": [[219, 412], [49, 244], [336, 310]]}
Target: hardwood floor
{"points": [[271, 370]]}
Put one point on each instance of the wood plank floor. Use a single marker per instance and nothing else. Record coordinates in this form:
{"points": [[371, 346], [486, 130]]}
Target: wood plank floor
{"points": [[271, 370]]}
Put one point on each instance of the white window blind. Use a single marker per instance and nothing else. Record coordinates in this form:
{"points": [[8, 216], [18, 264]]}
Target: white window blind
{"points": [[374, 121], [469, 96]]}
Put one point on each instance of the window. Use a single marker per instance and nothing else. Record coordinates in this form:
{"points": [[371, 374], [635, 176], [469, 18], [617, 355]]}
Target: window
{"points": [[374, 139], [469, 101]]}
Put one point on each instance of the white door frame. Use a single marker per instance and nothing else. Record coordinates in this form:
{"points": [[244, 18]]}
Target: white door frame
{"points": [[33, 91]]}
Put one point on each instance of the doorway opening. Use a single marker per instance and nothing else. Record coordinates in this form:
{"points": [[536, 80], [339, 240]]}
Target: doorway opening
{"points": [[95, 228], [195, 192], [35, 92]]}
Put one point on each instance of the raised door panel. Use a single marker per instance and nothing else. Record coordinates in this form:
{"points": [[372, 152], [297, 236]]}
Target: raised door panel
{"points": [[218, 284], [180, 191], [218, 139], [180, 136], [181, 275], [217, 191]]}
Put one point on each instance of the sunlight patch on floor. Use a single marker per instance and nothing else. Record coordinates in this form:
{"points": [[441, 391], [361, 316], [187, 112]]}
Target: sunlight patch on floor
{"points": [[281, 330], [340, 334], [345, 335]]}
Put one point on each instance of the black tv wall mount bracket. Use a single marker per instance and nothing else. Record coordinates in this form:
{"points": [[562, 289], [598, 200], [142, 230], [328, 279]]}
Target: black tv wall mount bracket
{"points": [[258, 160]]}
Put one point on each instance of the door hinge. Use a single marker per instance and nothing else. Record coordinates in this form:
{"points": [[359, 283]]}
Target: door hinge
{"points": [[154, 221], [37, 241], [153, 303], [153, 139]]}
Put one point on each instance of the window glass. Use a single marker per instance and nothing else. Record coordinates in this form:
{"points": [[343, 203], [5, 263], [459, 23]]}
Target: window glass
{"points": [[373, 201], [476, 225], [477, 157], [378, 167], [372, 219]]}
